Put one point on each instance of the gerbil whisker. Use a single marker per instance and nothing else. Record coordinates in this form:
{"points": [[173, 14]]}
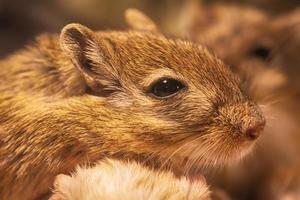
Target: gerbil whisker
{"points": [[193, 159], [178, 149], [272, 99], [210, 152], [150, 156]]}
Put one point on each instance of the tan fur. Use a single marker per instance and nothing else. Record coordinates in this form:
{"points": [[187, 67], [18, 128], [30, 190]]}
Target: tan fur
{"points": [[62, 106], [115, 180]]}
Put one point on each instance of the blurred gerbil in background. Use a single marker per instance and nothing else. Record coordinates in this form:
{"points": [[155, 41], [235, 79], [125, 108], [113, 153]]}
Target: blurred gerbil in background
{"points": [[21, 20], [262, 46], [260, 39]]}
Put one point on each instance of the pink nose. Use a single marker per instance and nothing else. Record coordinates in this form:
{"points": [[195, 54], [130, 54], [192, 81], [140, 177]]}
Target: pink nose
{"points": [[252, 133]]}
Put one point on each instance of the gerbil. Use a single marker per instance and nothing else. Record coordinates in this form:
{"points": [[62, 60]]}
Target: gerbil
{"points": [[251, 41], [115, 180], [128, 95], [264, 50]]}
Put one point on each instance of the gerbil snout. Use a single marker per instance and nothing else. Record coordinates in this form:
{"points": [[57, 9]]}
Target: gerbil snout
{"points": [[246, 120]]}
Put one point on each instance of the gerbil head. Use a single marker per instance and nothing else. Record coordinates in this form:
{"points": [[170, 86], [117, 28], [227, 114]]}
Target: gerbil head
{"points": [[253, 42], [166, 98]]}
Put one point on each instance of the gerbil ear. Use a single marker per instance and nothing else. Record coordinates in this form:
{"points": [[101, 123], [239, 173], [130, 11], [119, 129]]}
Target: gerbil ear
{"points": [[137, 20], [291, 19], [92, 55], [289, 25], [193, 16]]}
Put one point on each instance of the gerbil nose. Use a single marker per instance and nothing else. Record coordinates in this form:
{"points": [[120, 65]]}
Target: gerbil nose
{"points": [[246, 118], [253, 132]]}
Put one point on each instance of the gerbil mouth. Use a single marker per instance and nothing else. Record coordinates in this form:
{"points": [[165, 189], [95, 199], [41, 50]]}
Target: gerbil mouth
{"points": [[193, 164], [206, 154]]}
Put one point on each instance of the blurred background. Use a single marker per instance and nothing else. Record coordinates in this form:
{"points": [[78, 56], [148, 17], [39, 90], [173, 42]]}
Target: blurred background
{"points": [[259, 39], [21, 20]]}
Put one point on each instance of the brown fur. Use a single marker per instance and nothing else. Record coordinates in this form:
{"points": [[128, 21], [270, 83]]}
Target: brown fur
{"points": [[115, 180], [85, 100]]}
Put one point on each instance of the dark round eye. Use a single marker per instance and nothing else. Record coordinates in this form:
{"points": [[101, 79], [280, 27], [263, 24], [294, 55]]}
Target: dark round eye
{"points": [[261, 52], [166, 87]]}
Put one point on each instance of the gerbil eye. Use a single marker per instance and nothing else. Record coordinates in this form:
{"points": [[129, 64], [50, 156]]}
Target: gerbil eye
{"points": [[261, 52], [166, 87]]}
